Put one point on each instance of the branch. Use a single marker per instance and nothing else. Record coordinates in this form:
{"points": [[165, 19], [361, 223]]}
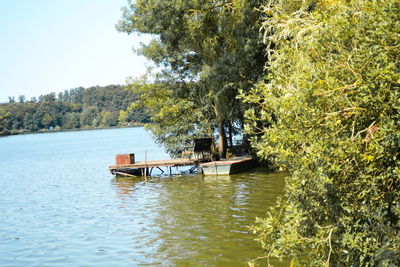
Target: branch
{"points": [[330, 247], [228, 3], [362, 131]]}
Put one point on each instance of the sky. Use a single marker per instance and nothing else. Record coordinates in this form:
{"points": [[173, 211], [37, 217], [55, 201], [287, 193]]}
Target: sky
{"points": [[55, 45]]}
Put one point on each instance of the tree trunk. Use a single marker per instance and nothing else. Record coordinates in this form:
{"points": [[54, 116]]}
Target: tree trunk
{"points": [[230, 134], [221, 139]]}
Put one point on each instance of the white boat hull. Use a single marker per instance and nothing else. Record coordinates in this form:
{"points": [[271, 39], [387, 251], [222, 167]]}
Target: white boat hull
{"points": [[227, 166]]}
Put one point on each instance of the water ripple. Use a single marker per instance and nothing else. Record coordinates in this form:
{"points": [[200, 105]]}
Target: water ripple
{"points": [[60, 207]]}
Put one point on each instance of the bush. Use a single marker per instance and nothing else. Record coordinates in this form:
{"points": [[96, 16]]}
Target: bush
{"points": [[329, 114]]}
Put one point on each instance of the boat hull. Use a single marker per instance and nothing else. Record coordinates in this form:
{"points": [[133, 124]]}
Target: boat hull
{"points": [[227, 167]]}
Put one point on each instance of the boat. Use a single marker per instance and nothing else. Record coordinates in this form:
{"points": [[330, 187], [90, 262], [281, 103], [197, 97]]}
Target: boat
{"points": [[228, 166]]}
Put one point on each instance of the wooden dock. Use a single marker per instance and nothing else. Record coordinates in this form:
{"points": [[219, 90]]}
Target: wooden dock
{"points": [[145, 168]]}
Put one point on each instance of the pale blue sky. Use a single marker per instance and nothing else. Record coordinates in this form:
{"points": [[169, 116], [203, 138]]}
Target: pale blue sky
{"points": [[55, 45]]}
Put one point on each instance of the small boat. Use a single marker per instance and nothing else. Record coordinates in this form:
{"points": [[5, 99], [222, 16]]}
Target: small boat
{"points": [[228, 166]]}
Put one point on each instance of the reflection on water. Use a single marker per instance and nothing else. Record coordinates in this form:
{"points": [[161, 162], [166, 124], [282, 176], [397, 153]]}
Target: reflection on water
{"points": [[59, 206], [202, 221]]}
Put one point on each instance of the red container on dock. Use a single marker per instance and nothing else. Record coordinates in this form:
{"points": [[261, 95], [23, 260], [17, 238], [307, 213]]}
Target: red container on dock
{"points": [[122, 159]]}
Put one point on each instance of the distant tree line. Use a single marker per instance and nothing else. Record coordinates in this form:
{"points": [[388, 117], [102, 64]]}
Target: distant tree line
{"points": [[92, 107]]}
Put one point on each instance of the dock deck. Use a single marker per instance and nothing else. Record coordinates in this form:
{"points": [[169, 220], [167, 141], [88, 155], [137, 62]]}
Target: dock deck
{"points": [[145, 167]]}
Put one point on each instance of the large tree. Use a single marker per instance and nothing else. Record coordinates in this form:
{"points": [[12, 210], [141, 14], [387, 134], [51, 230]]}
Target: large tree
{"points": [[208, 51], [330, 115]]}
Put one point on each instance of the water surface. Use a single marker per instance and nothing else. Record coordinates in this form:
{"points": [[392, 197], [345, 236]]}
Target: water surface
{"points": [[59, 206]]}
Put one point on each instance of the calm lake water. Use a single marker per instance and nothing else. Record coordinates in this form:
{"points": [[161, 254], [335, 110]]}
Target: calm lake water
{"points": [[59, 206]]}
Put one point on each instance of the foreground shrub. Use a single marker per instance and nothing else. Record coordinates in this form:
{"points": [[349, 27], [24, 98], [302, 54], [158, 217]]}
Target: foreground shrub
{"points": [[329, 115]]}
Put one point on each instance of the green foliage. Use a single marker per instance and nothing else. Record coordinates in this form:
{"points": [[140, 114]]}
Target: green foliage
{"points": [[122, 117], [212, 46], [109, 119], [3, 121], [174, 121], [90, 114], [329, 114], [72, 109], [71, 120]]}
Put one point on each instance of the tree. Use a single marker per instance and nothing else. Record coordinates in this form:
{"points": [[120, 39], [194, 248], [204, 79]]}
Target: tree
{"points": [[138, 114], [47, 120], [209, 50], [31, 122], [71, 120], [88, 115], [109, 119], [329, 114], [122, 117], [174, 121], [21, 99], [4, 115]]}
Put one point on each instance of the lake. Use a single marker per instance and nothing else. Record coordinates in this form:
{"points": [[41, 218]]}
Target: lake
{"points": [[59, 206]]}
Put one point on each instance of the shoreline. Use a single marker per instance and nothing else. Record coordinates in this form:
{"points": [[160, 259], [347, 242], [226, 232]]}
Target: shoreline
{"points": [[71, 130]]}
